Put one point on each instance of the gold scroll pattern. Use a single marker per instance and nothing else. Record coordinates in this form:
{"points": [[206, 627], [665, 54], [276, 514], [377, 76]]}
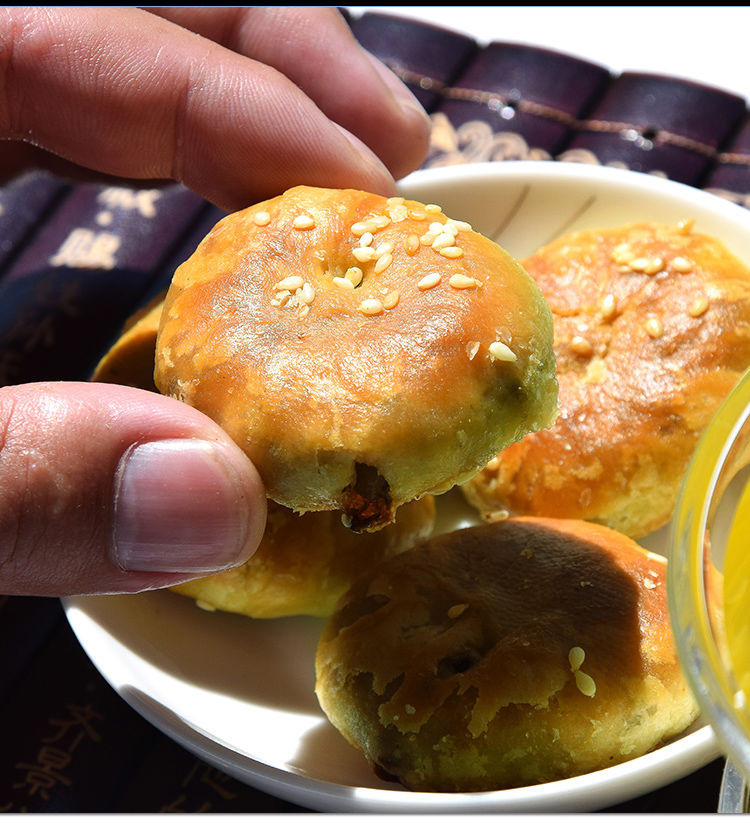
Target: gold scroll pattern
{"points": [[475, 141]]}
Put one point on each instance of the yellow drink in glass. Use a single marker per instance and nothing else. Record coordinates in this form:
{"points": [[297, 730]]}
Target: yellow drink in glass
{"points": [[737, 597]]}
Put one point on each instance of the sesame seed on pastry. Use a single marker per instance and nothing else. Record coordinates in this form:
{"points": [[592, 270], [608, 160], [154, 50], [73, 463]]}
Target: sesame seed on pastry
{"points": [[363, 351], [507, 654], [652, 330]]}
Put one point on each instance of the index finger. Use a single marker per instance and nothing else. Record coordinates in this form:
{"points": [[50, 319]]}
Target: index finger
{"points": [[316, 50], [126, 93]]}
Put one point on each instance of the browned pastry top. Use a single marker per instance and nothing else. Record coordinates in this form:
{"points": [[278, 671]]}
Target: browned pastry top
{"points": [[362, 350], [652, 329], [508, 653]]}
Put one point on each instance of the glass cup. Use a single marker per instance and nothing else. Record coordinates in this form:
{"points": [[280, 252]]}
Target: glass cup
{"points": [[707, 532]]}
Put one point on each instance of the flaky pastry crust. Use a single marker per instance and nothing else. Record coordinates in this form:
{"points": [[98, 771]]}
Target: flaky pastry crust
{"points": [[652, 330], [503, 655], [363, 351], [305, 562]]}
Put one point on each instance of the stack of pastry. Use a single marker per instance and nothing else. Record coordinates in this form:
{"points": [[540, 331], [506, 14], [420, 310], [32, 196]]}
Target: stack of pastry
{"points": [[369, 354]]}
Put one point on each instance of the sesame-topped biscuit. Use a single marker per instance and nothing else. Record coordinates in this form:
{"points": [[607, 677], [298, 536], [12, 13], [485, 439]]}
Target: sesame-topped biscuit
{"points": [[364, 351], [652, 330], [506, 654]]}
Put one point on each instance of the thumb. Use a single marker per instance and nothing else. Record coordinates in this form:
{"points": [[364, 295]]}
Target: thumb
{"points": [[112, 489]]}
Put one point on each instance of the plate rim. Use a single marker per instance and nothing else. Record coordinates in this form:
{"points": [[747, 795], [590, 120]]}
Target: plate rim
{"points": [[633, 776]]}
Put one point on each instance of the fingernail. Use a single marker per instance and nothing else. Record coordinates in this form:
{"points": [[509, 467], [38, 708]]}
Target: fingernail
{"points": [[179, 507]]}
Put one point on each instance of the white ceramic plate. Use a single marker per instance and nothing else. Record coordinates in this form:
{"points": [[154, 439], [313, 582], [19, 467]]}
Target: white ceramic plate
{"points": [[239, 693]]}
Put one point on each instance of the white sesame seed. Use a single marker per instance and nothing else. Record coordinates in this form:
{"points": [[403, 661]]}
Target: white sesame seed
{"points": [[203, 604], [289, 283], [493, 464], [344, 284], [380, 222], [391, 300], [501, 352], [451, 227], [681, 265], [262, 219], [472, 348], [653, 266], [622, 254], [609, 307], [359, 229], [386, 247], [304, 310], [398, 213], [383, 262], [442, 241], [371, 307], [366, 240], [638, 264], [698, 307], [433, 208], [457, 610], [585, 683], [460, 281], [648, 583], [685, 227], [427, 239], [451, 252], [581, 346], [364, 254], [654, 327], [303, 222], [437, 227], [576, 656], [308, 293], [417, 215], [411, 244], [462, 226], [429, 281], [354, 275], [394, 200]]}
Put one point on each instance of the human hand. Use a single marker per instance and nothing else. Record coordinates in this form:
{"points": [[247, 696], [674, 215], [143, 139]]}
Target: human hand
{"points": [[236, 103], [112, 489]]}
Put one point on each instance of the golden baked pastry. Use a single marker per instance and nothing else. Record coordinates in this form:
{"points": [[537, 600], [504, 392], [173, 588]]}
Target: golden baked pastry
{"points": [[305, 562], [652, 330], [363, 351], [503, 655], [130, 360]]}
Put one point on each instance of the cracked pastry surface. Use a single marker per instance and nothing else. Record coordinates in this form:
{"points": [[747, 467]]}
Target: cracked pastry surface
{"points": [[652, 330], [363, 351], [506, 654]]}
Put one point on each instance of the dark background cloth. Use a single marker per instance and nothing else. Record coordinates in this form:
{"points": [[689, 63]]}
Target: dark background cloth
{"points": [[76, 260]]}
